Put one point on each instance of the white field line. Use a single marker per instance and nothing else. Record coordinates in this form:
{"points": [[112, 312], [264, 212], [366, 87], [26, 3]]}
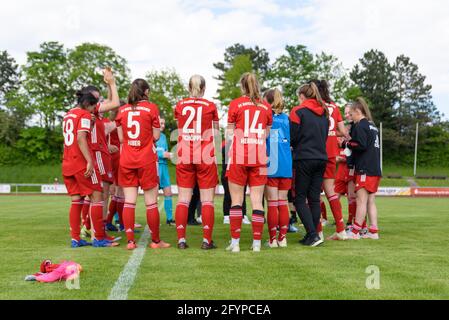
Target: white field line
{"points": [[126, 279]]}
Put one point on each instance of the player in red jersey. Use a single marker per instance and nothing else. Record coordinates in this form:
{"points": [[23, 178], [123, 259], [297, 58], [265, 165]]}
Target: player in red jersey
{"points": [[138, 128], [249, 122], [80, 175], [336, 128], [197, 120]]}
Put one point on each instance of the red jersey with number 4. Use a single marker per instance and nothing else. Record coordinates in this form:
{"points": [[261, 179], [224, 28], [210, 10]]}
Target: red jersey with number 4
{"points": [[251, 121], [195, 126], [335, 117], [138, 143], [97, 141], [75, 121]]}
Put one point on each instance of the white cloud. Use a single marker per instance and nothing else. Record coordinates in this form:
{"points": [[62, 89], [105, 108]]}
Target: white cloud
{"points": [[190, 35]]}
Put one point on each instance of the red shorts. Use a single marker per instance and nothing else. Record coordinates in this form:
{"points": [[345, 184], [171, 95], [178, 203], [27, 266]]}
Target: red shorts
{"points": [[331, 168], [78, 184], [283, 184], [188, 175], [244, 175], [103, 162], [115, 166], [351, 175], [369, 183], [147, 177], [341, 186]]}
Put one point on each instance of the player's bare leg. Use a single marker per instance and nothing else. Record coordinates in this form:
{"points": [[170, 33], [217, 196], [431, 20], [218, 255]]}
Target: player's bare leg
{"points": [[362, 205], [373, 232]]}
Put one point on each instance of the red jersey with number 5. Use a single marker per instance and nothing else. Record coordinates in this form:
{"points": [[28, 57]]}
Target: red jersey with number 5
{"points": [[335, 117], [195, 127], [75, 121], [251, 121], [138, 143]]}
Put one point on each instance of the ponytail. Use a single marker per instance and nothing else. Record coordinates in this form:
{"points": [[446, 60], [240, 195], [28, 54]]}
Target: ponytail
{"points": [[197, 86], [250, 87], [275, 99], [361, 105], [323, 87], [311, 91], [138, 92]]}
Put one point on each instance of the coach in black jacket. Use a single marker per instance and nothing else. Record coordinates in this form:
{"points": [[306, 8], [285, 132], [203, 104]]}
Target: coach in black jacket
{"points": [[309, 127]]}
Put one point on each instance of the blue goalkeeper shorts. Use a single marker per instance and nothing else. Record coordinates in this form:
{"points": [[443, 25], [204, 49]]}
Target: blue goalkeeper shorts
{"points": [[164, 176]]}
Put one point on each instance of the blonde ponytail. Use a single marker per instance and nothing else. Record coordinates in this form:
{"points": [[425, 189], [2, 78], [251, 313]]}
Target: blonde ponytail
{"points": [[250, 87], [197, 86], [361, 105], [311, 91], [275, 99]]}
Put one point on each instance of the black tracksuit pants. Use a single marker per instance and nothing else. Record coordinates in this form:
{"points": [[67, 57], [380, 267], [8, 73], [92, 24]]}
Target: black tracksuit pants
{"points": [[308, 183]]}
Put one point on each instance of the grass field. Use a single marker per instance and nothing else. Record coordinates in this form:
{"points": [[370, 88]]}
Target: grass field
{"points": [[411, 256], [47, 174]]}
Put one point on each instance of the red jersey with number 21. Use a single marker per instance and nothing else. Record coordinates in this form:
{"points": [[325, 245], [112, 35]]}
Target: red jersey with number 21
{"points": [[137, 123], [332, 148], [75, 121], [251, 121]]}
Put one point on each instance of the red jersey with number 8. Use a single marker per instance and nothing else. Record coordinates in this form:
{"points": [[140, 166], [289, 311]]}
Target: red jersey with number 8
{"points": [[332, 148], [138, 143], [75, 121], [251, 121], [195, 126]]}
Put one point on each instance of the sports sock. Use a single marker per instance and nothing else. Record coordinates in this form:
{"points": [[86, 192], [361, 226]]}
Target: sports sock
{"points": [[258, 222], [235, 217], [75, 219], [352, 209], [96, 215], [85, 214], [364, 225], [168, 206], [153, 221], [120, 205], [112, 209], [373, 229], [208, 216], [284, 219], [181, 217], [356, 228], [323, 209], [129, 218], [273, 219], [335, 205]]}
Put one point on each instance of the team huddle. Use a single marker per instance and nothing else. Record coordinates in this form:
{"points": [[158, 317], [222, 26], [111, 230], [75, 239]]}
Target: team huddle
{"points": [[286, 160]]}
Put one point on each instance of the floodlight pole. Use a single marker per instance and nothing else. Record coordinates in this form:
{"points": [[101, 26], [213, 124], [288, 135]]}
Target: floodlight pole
{"points": [[416, 149]]}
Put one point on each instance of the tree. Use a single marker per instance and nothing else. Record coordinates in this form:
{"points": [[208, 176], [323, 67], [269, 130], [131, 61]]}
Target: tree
{"points": [[9, 75], [230, 86], [374, 76], [167, 88], [46, 82], [291, 70], [87, 61]]}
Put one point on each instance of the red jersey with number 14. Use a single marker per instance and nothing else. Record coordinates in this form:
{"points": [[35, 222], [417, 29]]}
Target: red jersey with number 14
{"points": [[332, 148], [251, 121], [138, 144], [195, 126], [75, 121]]}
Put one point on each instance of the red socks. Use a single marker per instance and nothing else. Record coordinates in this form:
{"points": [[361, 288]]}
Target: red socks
{"points": [[284, 219], [335, 205], [112, 209], [75, 219], [356, 228], [153, 221], [181, 216], [129, 218], [323, 209], [352, 209], [273, 219], [236, 218], [208, 216], [120, 204], [96, 215], [258, 222], [85, 214]]}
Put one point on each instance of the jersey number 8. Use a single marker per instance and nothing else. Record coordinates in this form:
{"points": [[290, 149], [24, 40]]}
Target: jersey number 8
{"points": [[67, 130]]}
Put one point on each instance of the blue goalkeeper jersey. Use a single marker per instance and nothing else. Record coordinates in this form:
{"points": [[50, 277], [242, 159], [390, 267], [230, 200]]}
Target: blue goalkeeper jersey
{"points": [[161, 147], [278, 148]]}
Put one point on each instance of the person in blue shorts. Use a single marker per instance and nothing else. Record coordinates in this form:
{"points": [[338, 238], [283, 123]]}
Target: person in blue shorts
{"points": [[164, 177]]}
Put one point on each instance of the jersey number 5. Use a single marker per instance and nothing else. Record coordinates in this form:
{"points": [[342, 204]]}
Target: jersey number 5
{"points": [[133, 124]]}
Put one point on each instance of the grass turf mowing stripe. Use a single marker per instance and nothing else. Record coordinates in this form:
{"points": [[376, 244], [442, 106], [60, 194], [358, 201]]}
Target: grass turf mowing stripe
{"points": [[128, 275]]}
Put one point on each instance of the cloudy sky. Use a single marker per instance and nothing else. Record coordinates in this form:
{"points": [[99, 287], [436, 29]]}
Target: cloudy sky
{"points": [[189, 35]]}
